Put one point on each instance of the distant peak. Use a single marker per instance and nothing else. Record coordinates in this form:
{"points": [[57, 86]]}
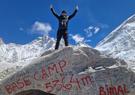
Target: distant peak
{"points": [[131, 19], [1, 41]]}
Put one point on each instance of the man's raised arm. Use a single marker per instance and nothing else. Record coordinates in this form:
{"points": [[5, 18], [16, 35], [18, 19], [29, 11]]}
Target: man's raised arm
{"points": [[74, 13], [54, 13]]}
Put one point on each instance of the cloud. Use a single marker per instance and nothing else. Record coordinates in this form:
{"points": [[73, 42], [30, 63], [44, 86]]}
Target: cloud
{"points": [[77, 38], [91, 30], [21, 29], [97, 29], [41, 28]]}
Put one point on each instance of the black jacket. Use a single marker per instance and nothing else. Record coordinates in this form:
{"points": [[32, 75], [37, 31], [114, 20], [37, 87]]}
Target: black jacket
{"points": [[63, 20]]}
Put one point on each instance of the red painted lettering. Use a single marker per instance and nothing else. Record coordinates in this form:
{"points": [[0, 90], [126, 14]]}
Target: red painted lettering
{"points": [[67, 86], [113, 91], [86, 80], [120, 90], [36, 77], [20, 84], [14, 86], [8, 89], [52, 68], [76, 81], [62, 64], [125, 89], [48, 87], [27, 82], [102, 91], [44, 74], [56, 83]]}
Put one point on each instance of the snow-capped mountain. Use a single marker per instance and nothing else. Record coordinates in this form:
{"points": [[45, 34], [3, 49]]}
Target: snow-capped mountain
{"points": [[14, 55], [1, 41], [120, 43]]}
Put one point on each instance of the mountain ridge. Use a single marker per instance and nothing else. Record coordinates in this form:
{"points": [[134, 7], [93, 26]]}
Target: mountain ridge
{"points": [[117, 28], [120, 43]]}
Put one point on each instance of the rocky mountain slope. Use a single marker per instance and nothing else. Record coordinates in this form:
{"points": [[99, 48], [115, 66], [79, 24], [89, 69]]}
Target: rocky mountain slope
{"points": [[71, 71], [15, 56], [120, 43]]}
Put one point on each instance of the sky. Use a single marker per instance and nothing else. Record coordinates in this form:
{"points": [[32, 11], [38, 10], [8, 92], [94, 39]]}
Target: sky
{"points": [[22, 21]]}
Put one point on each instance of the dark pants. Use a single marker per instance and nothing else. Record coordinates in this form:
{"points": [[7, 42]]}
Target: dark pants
{"points": [[60, 34]]}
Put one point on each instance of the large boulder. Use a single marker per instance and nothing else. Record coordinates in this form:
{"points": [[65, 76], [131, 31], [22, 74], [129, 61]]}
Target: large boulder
{"points": [[71, 71]]}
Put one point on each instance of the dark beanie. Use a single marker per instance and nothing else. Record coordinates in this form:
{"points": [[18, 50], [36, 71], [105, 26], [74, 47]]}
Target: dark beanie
{"points": [[64, 11]]}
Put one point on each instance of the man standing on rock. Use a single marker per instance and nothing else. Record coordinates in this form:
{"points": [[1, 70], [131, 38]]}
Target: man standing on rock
{"points": [[63, 25]]}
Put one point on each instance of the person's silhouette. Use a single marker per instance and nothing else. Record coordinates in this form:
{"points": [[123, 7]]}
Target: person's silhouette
{"points": [[63, 25]]}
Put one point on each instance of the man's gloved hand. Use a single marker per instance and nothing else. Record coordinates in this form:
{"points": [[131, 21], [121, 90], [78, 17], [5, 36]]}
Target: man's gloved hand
{"points": [[51, 6], [77, 8]]}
